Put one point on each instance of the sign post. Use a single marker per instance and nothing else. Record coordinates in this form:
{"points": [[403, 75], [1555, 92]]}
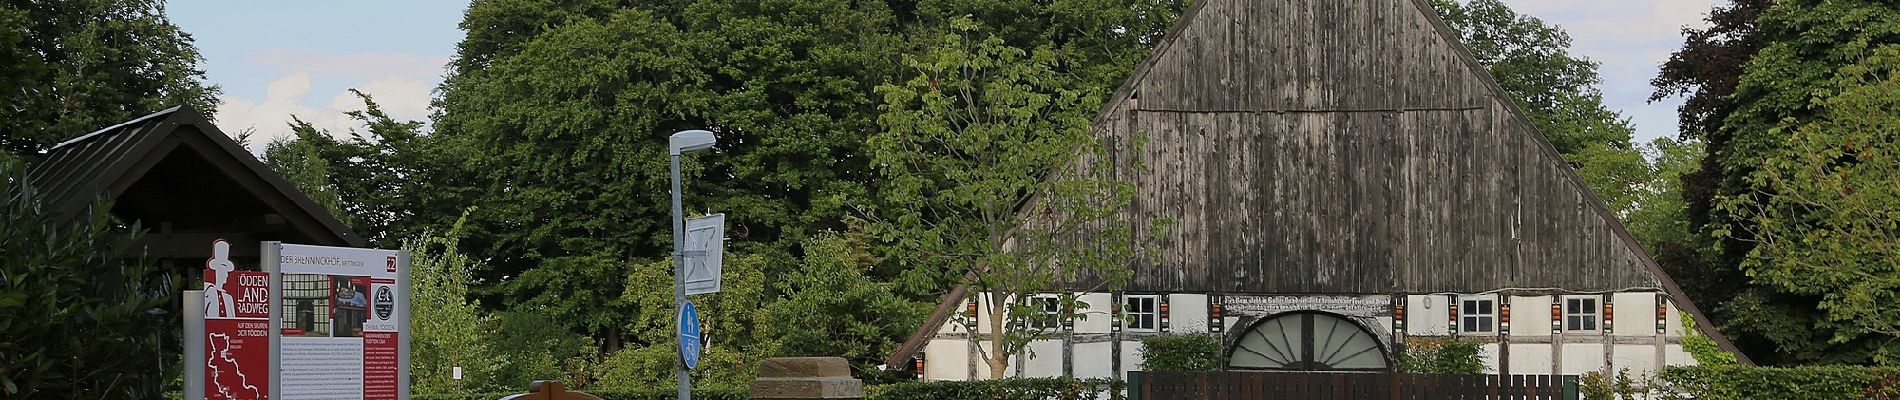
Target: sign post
{"points": [[683, 142], [232, 342]]}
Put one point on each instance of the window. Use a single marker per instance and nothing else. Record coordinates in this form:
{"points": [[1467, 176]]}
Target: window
{"points": [[1139, 312], [1477, 315], [1580, 313], [1048, 311]]}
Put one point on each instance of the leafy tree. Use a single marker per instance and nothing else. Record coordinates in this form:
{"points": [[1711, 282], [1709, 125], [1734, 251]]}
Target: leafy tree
{"points": [[390, 182], [569, 117], [1531, 60], [832, 308], [979, 149], [1797, 54], [79, 314], [1707, 69], [1826, 193], [71, 67], [447, 329]]}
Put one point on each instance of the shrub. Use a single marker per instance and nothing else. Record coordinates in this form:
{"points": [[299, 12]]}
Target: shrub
{"points": [[1001, 389], [1442, 356], [1182, 353], [654, 394], [78, 319], [1726, 382]]}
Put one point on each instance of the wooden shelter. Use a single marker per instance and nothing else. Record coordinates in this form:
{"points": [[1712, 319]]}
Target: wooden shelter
{"points": [[1350, 158], [187, 183]]}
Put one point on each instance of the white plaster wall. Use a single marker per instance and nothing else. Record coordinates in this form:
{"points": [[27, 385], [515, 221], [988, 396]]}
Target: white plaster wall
{"points": [[1092, 360], [1530, 316], [1675, 355], [1488, 353], [1580, 358], [946, 360], [1187, 313], [1427, 315], [983, 312], [1638, 359], [1044, 359], [1635, 314], [1530, 358], [1675, 320], [1131, 358], [1094, 318]]}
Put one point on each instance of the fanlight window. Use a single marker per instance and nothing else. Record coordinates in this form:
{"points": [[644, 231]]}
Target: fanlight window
{"points": [[1308, 341]]}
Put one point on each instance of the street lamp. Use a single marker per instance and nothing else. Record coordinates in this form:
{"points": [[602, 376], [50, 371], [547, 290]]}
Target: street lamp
{"points": [[682, 142]]}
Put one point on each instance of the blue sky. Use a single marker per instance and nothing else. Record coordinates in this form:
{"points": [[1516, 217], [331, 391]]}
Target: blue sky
{"points": [[274, 59]]}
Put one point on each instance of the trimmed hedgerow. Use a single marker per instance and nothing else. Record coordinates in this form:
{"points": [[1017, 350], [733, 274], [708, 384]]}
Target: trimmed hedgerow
{"points": [[1191, 352], [657, 394], [1731, 382], [1001, 389]]}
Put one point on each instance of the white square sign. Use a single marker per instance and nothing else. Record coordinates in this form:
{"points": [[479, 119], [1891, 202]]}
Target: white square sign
{"points": [[705, 248]]}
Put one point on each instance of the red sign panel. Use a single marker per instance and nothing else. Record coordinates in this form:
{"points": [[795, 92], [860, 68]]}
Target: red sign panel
{"points": [[237, 329]]}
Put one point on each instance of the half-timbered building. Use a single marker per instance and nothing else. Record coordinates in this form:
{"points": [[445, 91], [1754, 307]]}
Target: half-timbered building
{"points": [[1343, 177]]}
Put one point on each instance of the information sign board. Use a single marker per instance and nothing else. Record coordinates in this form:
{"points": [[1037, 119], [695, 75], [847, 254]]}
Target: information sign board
{"points": [[342, 322]]}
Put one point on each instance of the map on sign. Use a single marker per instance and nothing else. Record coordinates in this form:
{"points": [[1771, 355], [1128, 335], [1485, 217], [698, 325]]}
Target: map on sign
{"points": [[705, 245]]}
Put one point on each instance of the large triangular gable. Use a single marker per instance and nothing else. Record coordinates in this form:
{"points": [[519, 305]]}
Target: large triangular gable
{"points": [[1349, 147]]}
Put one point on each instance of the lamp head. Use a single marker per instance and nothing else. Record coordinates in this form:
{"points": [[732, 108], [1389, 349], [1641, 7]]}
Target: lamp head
{"points": [[689, 141]]}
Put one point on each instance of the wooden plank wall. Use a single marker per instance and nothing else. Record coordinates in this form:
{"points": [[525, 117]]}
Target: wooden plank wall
{"points": [[1345, 146]]}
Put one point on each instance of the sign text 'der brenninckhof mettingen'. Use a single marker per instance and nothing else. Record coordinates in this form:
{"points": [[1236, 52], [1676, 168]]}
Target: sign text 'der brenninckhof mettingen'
{"points": [[343, 323]]}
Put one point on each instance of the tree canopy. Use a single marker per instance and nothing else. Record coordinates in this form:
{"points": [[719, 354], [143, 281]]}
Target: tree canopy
{"points": [[70, 67]]}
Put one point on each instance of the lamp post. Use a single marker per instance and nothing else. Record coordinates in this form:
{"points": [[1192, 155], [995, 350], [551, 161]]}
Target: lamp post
{"points": [[682, 142]]}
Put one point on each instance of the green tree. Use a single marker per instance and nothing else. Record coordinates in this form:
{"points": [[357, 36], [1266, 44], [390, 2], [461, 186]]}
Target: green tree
{"points": [[1707, 70], [1826, 194], [71, 67], [980, 147], [1191, 352], [80, 315], [1531, 60], [447, 329], [1442, 356], [1806, 51], [830, 307], [389, 182]]}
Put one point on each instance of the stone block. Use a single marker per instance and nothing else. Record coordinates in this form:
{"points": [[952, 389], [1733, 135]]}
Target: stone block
{"points": [[793, 378]]}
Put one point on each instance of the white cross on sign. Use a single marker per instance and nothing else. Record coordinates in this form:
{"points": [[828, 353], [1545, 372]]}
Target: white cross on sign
{"points": [[705, 247]]}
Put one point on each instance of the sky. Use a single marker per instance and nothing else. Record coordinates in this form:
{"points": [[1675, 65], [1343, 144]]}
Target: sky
{"points": [[276, 59]]}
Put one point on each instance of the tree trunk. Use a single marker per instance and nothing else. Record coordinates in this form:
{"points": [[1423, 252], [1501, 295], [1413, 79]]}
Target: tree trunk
{"points": [[999, 359]]}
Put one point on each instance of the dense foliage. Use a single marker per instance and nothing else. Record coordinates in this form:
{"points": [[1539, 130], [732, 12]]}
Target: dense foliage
{"points": [[1195, 352], [1442, 356], [80, 320], [1793, 202], [70, 67], [653, 394], [1793, 383], [1002, 389]]}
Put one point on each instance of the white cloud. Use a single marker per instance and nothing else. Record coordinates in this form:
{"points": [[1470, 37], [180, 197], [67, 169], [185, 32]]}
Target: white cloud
{"points": [[399, 82], [270, 118], [1630, 39]]}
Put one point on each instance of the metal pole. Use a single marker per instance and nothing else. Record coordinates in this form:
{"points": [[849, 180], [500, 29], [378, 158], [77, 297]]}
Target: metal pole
{"points": [[679, 282], [194, 311]]}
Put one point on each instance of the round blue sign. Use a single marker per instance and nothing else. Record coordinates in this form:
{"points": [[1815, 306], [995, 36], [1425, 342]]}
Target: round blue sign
{"points": [[689, 335]]}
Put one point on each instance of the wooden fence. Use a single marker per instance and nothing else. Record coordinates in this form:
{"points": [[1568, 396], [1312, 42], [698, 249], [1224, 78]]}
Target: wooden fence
{"points": [[1252, 385]]}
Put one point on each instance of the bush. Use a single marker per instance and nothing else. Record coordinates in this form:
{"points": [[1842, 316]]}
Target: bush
{"points": [[1001, 389], [1442, 356], [654, 394], [1725, 382], [78, 319], [1182, 353]]}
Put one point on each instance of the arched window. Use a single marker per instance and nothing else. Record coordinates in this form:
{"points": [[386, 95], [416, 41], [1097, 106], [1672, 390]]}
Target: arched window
{"points": [[1308, 341]]}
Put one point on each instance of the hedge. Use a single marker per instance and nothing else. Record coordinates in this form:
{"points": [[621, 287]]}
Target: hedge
{"points": [[1731, 382], [1002, 389], [657, 394]]}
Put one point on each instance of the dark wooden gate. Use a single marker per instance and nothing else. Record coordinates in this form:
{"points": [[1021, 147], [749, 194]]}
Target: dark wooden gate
{"points": [[1254, 385]]}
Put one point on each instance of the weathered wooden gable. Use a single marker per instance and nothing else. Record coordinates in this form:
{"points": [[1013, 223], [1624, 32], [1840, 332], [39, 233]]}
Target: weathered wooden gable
{"points": [[1349, 146]]}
